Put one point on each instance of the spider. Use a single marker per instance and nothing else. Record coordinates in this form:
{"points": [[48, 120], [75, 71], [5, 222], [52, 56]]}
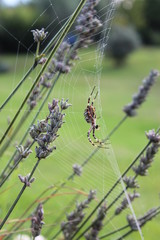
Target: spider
{"points": [[90, 117]]}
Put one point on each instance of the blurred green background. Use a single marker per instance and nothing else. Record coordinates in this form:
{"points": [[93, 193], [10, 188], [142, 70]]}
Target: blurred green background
{"points": [[122, 72]]}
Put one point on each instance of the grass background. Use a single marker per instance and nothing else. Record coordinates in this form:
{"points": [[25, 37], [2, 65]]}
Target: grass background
{"points": [[117, 85]]}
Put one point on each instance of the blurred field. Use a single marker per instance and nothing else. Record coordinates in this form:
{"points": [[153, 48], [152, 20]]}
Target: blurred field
{"points": [[117, 85]]}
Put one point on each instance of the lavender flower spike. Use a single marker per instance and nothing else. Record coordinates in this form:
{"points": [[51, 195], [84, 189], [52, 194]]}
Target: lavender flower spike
{"points": [[145, 161], [124, 203], [76, 217], [141, 221], [140, 97], [37, 221], [97, 224]]}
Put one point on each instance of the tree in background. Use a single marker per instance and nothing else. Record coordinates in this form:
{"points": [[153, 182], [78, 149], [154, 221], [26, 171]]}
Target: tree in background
{"points": [[122, 42], [144, 15]]}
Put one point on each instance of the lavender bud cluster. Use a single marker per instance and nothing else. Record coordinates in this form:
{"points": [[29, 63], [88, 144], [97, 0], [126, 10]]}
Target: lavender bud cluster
{"points": [[76, 217], [59, 61], [35, 95], [25, 149], [141, 221], [125, 203], [97, 224], [26, 180], [77, 169], [87, 23], [37, 221], [39, 35], [145, 161], [45, 132], [23, 152], [130, 182], [140, 97]]}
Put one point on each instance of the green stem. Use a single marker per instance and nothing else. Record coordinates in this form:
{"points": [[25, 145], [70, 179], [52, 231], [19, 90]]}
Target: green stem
{"points": [[125, 235], [15, 132], [19, 196], [110, 191], [14, 167], [65, 31], [37, 114], [47, 48], [17, 225], [17, 87], [113, 232], [37, 51]]}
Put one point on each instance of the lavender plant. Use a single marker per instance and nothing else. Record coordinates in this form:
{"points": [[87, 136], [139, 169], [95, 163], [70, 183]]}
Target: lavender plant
{"points": [[45, 132]]}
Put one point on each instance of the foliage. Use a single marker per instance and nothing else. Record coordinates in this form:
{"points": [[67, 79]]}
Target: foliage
{"points": [[17, 21], [122, 41], [144, 15]]}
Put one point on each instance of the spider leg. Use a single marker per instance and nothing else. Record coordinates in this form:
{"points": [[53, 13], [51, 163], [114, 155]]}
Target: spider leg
{"points": [[91, 95], [94, 98], [98, 141], [88, 135]]}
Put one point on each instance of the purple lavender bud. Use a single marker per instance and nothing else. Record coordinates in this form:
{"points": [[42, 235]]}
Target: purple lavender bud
{"points": [[130, 182], [42, 61], [148, 158], [153, 136], [76, 217], [39, 35], [37, 221], [26, 180], [97, 224], [125, 203], [64, 104], [23, 152], [77, 169]]}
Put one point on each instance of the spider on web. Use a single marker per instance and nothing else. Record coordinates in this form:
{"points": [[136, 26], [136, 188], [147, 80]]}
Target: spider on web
{"points": [[90, 117]]}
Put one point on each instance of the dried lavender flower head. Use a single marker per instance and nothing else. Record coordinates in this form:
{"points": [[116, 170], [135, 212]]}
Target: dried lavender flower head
{"points": [[39, 35], [140, 97]]}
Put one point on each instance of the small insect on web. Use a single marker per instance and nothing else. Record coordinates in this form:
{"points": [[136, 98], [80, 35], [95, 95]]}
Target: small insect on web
{"points": [[90, 117]]}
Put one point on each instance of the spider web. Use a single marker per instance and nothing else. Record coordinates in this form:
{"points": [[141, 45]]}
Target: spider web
{"points": [[102, 170]]}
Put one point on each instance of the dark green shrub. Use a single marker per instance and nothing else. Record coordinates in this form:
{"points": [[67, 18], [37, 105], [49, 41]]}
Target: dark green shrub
{"points": [[122, 41]]}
